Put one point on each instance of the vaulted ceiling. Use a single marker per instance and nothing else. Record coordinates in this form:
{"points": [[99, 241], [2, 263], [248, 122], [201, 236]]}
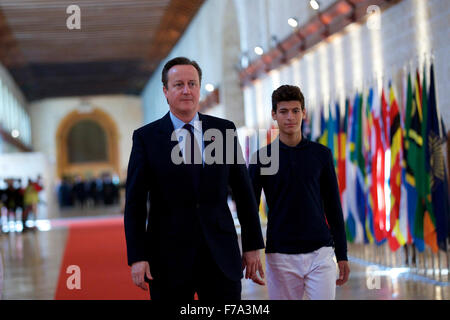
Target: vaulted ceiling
{"points": [[119, 45]]}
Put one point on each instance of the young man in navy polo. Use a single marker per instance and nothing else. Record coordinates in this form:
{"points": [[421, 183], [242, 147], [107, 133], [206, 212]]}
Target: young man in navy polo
{"points": [[305, 228]]}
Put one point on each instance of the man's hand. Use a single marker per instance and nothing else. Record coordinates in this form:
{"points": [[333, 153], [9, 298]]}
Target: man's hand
{"points": [[344, 271], [138, 270], [252, 263]]}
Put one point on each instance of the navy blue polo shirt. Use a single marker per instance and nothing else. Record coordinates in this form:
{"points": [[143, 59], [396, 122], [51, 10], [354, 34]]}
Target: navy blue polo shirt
{"points": [[305, 210]]}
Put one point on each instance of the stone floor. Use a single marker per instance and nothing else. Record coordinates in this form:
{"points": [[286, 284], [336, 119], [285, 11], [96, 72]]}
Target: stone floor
{"points": [[31, 263]]}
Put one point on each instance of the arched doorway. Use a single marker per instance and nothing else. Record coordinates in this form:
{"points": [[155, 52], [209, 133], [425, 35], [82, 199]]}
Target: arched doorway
{"points": [[87, 144]]}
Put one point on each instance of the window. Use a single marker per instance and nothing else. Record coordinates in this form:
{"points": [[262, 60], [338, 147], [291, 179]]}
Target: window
{"points": [[13, 114]]}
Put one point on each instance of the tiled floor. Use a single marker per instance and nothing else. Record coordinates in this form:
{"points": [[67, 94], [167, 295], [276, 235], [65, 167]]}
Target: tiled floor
{"points": [[31, 263]]}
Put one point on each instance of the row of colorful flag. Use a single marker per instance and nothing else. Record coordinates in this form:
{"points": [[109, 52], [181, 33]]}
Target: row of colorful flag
{"points": [[390, 164]]}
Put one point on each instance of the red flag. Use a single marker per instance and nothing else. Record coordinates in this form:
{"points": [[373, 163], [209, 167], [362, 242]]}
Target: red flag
{"points": [[396, 239], [342, 139], [378, 167]]}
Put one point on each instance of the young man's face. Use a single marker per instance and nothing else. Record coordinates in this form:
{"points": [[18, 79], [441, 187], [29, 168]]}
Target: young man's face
{"points": [[289, 116], [183, 89]]}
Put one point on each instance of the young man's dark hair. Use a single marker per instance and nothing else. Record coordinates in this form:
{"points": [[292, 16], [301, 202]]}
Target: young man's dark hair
{"points": [[179, 61], [287, 93]]}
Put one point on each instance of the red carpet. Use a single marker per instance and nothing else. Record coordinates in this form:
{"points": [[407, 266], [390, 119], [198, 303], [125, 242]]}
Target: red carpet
{"points": [[98, 248]]}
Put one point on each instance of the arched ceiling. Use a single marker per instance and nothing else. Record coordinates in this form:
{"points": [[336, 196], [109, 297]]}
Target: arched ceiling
{"points": [[119, 45]]}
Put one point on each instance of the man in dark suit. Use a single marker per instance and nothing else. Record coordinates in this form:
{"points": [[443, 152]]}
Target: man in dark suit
{"points": [[186, 243]]}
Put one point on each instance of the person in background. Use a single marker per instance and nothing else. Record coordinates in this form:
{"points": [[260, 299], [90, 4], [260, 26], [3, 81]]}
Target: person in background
{"points": [[31, 199], [11, 201]]}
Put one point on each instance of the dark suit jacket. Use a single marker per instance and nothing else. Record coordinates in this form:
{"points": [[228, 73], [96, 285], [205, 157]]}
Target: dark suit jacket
{"points": [[168, 240]]}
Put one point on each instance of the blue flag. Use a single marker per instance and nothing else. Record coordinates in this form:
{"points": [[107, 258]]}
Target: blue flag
{"points": [[439, 187]]}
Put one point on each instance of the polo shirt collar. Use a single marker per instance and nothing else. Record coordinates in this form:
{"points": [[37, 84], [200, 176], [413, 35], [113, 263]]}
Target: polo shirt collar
{"points": [[301, 144]]}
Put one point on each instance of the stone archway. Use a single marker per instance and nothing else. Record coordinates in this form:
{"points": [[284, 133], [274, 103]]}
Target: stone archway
{"points": [[83, 168], [231, 92]]}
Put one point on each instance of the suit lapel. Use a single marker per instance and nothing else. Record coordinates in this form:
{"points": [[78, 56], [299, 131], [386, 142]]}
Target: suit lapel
{"points": [[166, 130], [207, 169], [206, 125]]}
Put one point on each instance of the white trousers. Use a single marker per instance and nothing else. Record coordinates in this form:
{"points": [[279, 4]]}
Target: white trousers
{"points": [[296, 276]]}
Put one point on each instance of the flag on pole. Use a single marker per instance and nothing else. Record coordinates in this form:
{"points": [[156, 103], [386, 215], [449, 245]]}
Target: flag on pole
{"points": [[323, 137], [353, 223], [429, 219], [417, 162], [439, 183], [368, 153], [410, 157], [331, 132], [378, 172], [357, 158], [395, 236], [342, 141], [337, 128]]}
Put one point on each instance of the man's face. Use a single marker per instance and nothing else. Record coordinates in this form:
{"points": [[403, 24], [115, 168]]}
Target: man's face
{"points": [[289, 116], [183, 89]]}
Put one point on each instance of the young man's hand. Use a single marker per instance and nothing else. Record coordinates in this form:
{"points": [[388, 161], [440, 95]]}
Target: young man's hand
{"points": [[251, 262], [344, 271]]}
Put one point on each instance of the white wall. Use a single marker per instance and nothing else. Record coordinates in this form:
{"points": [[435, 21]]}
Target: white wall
{"points": [[351, 59], [260, 20], [336, 67], [47, 114]]}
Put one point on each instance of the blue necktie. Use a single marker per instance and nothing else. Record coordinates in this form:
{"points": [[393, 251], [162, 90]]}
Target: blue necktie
{"points": [[194, 156]]}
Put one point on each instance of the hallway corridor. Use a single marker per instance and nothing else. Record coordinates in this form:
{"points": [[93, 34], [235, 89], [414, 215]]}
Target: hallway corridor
{"points": [[33, 261]]}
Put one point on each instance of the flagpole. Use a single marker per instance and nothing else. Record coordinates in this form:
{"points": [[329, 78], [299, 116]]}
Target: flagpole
{"points": [[448, 261], [376, 256], [374, 251], [380, 255], [402, 253], [409, 255], [387, 254], [432, 264], [394, 256], [439, 265], [424, 264], [415, 260]]}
